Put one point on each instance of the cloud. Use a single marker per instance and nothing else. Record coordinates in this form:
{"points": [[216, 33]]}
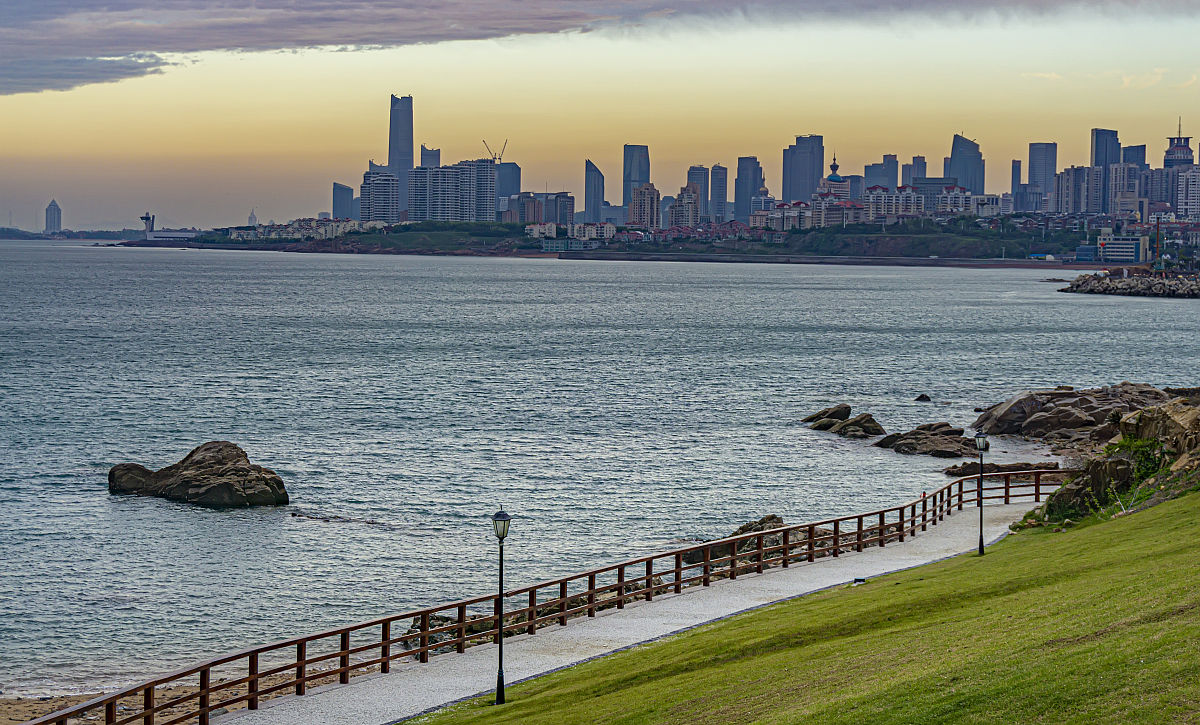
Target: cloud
{"points": [[60, 44]]}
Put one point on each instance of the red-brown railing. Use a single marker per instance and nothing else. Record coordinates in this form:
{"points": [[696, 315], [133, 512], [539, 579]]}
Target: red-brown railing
{"points": [[292, 664]]}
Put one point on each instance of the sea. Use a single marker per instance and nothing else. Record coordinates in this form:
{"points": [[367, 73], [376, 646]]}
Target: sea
{"points": [[614, 408]]}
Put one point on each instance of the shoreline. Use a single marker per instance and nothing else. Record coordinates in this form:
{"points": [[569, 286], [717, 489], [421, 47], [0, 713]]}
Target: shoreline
{"points": [[622, 256]]}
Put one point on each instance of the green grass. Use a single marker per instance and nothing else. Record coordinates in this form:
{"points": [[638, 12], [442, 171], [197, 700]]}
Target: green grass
{"points": [[1095, 624]]}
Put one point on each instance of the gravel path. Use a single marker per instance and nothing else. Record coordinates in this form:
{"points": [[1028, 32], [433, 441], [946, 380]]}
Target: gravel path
{"points": [[412, 689]]}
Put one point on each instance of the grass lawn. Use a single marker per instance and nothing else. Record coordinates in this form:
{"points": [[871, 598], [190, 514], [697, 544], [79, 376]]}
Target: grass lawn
{"points": [[1100, 623]]}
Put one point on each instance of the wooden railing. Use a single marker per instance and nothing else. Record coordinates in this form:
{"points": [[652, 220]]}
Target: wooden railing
{"points": [[252, 675]]}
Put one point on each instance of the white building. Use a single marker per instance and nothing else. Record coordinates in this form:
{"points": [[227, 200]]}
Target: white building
{"points": [[955, 200], [1189, 194], [882, 203], [464, 192], [602, 230], [542, 231], [567, 244], [380, 195]]}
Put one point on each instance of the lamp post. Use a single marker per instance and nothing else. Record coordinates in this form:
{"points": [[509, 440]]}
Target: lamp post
{"points": [[981, 443], [500, 521]]}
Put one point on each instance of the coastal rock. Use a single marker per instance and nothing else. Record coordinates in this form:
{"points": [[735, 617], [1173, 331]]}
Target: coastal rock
{"points": [[940, 440], [840, 411], [826, 424], [217, 474], [971, 468], [1176, 424], [1065, 412], [923, 398], [766, 523], [861, 426]]}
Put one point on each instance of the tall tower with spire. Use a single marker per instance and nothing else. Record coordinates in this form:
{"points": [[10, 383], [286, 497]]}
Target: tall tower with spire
{"points": [[1179, 150]]}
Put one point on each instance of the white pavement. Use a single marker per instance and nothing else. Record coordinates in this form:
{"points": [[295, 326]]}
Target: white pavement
{"points": [[412, 689]]}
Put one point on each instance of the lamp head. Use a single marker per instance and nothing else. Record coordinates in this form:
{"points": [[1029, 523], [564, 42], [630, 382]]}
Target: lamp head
{"points": [[981, 441], [500, 521]]}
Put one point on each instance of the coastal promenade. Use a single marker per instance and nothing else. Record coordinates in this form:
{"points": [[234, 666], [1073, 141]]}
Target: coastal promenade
{"points": [[564, 621], [412, 689]]}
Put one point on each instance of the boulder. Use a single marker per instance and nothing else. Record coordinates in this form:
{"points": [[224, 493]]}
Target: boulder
{"points": [[1175, 423], [840, 411], [766, 523], [1092, 487], [217, 474], [826, 424], [923, 398], [940, 440], [861, 426]]}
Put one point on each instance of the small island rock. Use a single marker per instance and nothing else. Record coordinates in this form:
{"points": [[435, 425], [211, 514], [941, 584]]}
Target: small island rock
{"points": [[217, 474]]}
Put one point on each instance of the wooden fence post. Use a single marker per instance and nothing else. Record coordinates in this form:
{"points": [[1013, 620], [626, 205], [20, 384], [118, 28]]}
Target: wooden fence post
{"points": [[787, 547], [882, 529], [960, 495], [462, 629], [562, 604], [812, 543], [1007, 486], [203, 714], [385, 647], [678, 573], [900, 522], [148, 706], [858, 535], [759, 557], [837, 538], [533, 613], [621, 587], [707, 565], [649, 580], [591, 594], [301, 648], [344, 660]]}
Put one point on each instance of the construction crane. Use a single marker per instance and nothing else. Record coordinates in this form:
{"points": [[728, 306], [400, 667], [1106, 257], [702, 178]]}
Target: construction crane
{"points": [[497, 157]]}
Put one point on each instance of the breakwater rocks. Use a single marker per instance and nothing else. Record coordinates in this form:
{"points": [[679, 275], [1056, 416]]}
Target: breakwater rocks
{"points": [[1067, 414], [940, 440], [971, 468], [1091, 284], [217, 474]]}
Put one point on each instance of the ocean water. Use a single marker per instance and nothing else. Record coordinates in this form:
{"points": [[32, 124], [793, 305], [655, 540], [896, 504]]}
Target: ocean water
{"points": [[615, 408]]}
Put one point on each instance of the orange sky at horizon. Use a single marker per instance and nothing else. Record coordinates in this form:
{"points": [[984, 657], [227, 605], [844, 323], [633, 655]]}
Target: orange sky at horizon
{"points": [[220, 133]]}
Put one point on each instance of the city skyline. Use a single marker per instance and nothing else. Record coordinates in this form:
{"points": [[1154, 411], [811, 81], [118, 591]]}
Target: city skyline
{"points": [[211, 163]]}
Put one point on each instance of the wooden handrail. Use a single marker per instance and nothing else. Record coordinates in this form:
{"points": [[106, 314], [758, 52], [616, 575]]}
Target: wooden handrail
{"points": [[807, 541]]}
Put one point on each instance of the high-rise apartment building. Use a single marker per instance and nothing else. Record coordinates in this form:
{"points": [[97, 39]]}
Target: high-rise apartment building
{"points": [[699, 176], [687, 206], [464, 192], [557, 207], [966, 164], [593, 191], [380, 195], [53, 217], [400, 144], [1106, 151], [1124, 183], [875, 175], [718, 202], [644, 207], [430, 157], [1188, 194], [803, 165], [635, 171], [1043, 165], [891, 171], [918, 168], [746, 184], [1078, 190], [1016, 177], [343, 201]]}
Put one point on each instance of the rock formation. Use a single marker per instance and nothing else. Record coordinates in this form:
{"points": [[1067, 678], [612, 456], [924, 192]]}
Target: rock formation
{"points": [[837, 420], [217, 474], [940, 440], [1065, 413], [1187, 287]]}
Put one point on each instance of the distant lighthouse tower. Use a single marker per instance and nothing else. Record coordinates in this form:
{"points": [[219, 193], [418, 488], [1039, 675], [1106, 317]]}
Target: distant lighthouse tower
{"points": [[253, 220]]}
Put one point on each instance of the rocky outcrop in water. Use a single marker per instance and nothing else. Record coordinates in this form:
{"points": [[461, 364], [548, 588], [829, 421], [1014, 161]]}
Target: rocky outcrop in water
{"points": [[1187, 287], [1068, 414], [940, 440], [837, 420], [217, 474]]}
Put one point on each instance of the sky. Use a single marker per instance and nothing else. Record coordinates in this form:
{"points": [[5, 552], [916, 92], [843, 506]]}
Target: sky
{"points": [[200, 110]]}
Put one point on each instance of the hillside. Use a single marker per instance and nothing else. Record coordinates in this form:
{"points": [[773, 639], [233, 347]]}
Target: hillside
{"points": [[1096, 623]]}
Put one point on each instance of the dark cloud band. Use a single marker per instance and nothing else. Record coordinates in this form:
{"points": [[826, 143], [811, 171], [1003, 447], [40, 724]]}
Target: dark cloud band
{"points": [[61, 44]]}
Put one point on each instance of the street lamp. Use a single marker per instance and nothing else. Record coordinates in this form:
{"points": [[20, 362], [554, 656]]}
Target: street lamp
{"points": [[981, 443], [500, 521]]}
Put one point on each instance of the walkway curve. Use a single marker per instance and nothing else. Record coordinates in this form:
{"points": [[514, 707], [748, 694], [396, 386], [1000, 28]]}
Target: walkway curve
{"points": [[412, 689]]}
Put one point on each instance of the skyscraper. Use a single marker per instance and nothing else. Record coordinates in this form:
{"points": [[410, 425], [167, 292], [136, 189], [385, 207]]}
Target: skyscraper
{"points": [[803, 166], [1016, 177], [1135, 155], [508, 180], [1043, 165], [430, 157], [53, 217], [718, 203], [745, 186], [698, 175], [874, 175], [593, 191], [400, 144], [918, 165], [343, 201], [891, 171], [1179, 150], [1106, 151], [380, 195], [464, 192], [635, 171], [906, 174], [966, 164]]}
